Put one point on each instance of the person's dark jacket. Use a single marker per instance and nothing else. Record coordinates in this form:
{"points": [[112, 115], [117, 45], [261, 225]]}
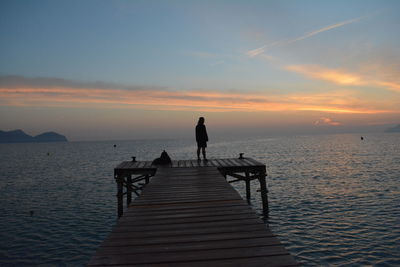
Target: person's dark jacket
{"points": [[201, 134]]}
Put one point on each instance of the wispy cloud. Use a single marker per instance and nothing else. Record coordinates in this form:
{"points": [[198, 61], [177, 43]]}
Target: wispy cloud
{"points": [[327, 121], [343, 77], [264, 48], [332, 75], [324, 29], [256, 52], [17, 81], [46, 92]]}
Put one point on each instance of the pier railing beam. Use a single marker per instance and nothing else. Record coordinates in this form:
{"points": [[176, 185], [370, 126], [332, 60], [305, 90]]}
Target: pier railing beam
{"points": [[264, 192]]}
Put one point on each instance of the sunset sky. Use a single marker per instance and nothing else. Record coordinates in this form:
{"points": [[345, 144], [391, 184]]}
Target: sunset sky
{"points": [[101, 70]]}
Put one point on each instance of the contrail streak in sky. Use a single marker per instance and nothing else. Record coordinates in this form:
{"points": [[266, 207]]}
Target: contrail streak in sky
{"points": [[262, 49]]}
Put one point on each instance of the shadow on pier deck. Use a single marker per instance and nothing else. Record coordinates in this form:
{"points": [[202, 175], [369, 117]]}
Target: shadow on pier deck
{"points": [[189, 215]]}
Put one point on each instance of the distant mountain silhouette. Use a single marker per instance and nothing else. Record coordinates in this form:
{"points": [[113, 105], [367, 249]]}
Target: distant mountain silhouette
{"points": [[19, 136], [50, 137], [395, 129]]}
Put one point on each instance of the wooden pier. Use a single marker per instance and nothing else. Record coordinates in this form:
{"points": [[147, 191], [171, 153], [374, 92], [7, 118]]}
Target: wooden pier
{"points": [[187, 214]]}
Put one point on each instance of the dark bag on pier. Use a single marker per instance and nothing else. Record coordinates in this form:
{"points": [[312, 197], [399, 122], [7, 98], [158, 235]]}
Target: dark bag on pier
{"points": [[164, 159]]}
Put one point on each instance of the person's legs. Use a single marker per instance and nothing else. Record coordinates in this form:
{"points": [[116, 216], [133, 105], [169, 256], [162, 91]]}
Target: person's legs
{"points": [[198, 153], [203, 149]]}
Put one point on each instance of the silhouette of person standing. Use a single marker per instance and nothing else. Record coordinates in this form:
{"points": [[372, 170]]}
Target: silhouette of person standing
{"points": [[201, 138]]}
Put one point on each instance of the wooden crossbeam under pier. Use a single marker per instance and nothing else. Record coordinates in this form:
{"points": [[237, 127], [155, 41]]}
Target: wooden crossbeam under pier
{"points": [[128, 173], [188, 215]]}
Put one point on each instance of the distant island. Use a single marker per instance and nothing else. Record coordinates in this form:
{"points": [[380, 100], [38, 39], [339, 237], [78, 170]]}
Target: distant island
{"points": [[19, 136], [395, 129]]}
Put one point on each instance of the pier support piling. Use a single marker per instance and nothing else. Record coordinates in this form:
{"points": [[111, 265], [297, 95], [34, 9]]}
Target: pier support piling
{"points": [[264, 192], [120, 194], [248, 193], [128, 190]]}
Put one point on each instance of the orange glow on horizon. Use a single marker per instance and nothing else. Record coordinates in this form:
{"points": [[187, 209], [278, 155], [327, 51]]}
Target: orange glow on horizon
{"points": [[334, 102]]}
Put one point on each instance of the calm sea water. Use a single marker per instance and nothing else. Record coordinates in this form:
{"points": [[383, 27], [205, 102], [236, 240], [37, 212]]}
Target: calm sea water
{"points": [[334, 199]]}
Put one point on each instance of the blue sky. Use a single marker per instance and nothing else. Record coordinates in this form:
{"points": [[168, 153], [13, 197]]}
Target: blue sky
{"points": [[307, 62]]}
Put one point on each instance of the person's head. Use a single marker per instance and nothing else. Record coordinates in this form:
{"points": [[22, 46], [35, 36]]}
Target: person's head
{"points": [[201, 120]]}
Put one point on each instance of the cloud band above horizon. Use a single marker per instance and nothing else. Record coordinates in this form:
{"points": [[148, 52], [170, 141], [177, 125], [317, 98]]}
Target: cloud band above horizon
{"points": [[54, 92]]}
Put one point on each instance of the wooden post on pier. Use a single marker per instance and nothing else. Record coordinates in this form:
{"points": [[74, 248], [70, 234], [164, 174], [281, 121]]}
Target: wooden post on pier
{"points": [[264, 191], [134, 176], [128, 190], [120, 193], [248, 193]]}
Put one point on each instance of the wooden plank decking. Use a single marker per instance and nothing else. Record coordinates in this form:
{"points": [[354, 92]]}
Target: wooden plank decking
{"points": [[232, 167], [219, 163], [190, 216]]}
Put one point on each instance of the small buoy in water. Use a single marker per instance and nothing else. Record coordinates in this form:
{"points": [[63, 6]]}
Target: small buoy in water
{"points": [[362, 138], [115, 145], [48, 153], [31, 213]]}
